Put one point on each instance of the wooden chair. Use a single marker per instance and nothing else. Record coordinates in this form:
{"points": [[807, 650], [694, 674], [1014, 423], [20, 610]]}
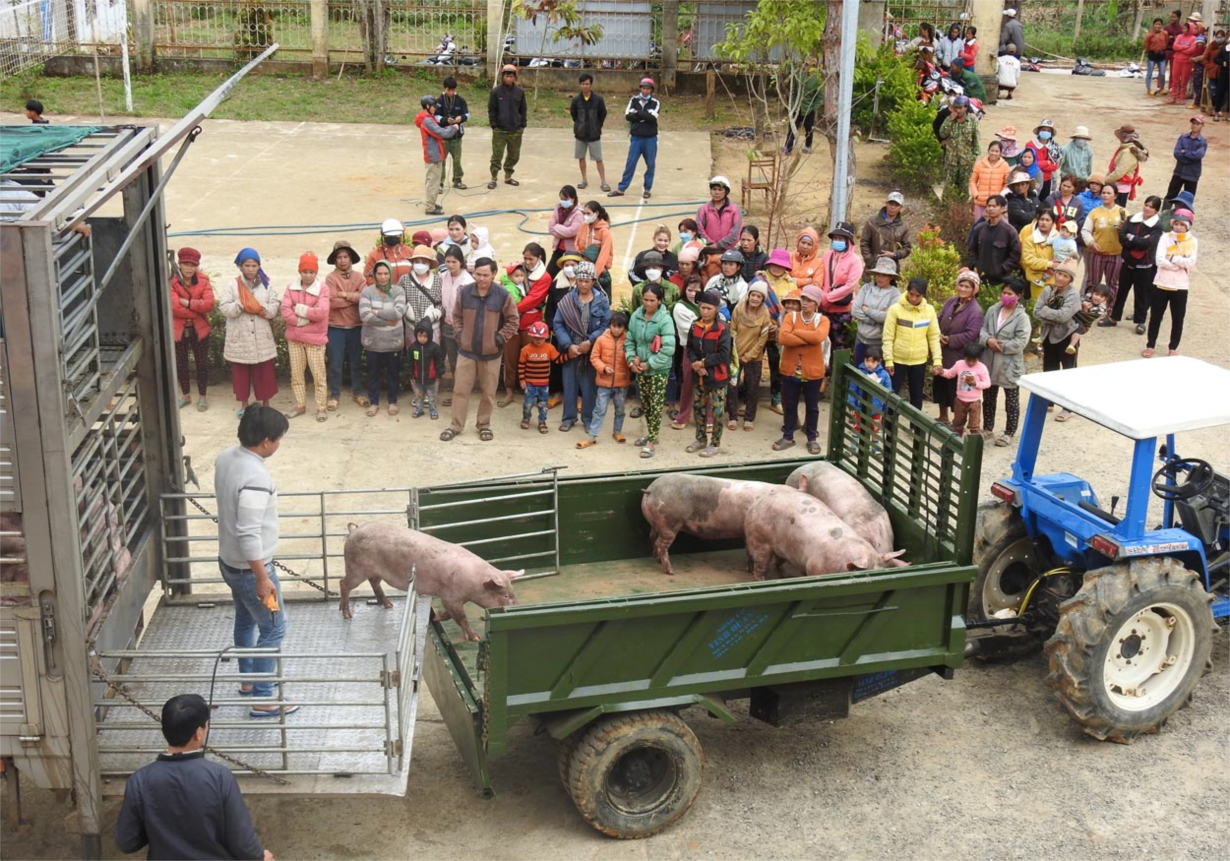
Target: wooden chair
{"points": [[761, 176]]}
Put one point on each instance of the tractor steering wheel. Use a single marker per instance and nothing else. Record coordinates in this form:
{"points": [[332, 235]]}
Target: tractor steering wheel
{"points": [[1200, 477]]}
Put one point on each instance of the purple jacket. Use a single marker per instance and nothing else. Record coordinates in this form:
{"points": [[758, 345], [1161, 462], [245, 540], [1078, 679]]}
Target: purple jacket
{"points": [[720, 228], [962, 327]]}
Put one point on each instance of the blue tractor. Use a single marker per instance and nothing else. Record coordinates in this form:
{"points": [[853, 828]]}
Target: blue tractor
{"points": [[1126, 613]]}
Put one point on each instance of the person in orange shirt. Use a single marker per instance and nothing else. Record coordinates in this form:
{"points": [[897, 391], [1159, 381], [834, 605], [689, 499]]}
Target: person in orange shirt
{"points": [[801, 336], [534, 372], [614, 377], [990, 176]]}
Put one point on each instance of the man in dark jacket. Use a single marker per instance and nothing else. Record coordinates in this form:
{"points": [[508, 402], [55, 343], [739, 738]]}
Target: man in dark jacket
{"points": [[886, 234], [1022, 200], [181, 805], [507, 114], [1011, 33], [642, 117], [995, 248], [452, 110], [588, 112], [484, 318], [1189, 153]]}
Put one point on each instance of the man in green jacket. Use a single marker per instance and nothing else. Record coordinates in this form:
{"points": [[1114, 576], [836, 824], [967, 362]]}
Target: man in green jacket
{"points": [[970, 82], [810, 94], [959, 138]]}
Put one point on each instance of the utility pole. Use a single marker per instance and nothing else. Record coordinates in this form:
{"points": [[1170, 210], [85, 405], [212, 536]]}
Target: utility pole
{"points": [[843, 177]]}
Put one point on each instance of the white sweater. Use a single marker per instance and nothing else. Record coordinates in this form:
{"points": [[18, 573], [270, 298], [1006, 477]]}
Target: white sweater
{"points": [[247, 508]]}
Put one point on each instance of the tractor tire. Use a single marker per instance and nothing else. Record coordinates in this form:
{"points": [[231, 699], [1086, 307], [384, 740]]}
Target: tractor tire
{"points": [[635, 774], [1007, 563], [1131, 646]]}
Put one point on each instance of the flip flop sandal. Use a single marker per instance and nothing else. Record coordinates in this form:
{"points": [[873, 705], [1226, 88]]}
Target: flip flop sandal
{"points": [[447, 434], [646, 196], [732, 425], [641, 441], [1063, 416], [239, 412], [748, 426], [678, 425], [295, 413], [619, 438], [694, 446], [372, 410], [525, 424], [813, 447], [587, 443], [504, 401], [486, 435], [542, 428], [492, 184], [615, 193], [605, 187], [636, 413], [183, 402], [331, 405], [710, 451], [202, 406], [361, 400], [246, 692], [783, 444], [1147, 352], [647, 452], [322, 416], [511, 181], [393, 409], [582, 184], [287, 709]]}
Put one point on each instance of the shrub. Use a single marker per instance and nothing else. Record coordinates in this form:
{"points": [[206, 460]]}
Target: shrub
{"points": [[953, 221], [937, 261], [914, 156], [896, 89]]}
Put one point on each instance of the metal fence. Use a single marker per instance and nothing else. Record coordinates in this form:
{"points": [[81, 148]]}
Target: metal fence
{"points": [[32, 31]]}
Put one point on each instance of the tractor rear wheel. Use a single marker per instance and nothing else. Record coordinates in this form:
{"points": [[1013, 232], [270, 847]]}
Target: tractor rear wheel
{"points": [[632, 775], [1008, 562], [1131, 647]]}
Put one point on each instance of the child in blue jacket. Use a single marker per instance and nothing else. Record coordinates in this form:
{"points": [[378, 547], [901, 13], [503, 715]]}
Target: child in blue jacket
{"points": [[872, 366]]}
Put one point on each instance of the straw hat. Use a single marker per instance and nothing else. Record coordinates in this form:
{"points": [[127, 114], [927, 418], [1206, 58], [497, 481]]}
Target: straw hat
{"points": [[1081, 132], [1007, 133], [423, 252]]}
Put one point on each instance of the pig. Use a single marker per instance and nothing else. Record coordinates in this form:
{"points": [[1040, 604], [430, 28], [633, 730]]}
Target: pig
{"points": [[848, 499], [388, 552], [797, 528], [698, 505]]}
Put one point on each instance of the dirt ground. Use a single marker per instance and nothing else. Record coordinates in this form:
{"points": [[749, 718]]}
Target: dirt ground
{"points": [[985, 765]]}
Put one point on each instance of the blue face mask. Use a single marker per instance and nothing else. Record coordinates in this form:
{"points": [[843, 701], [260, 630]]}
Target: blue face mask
{"points": [[1044, 136], [685, 237], [565, 204], [839, 245]]}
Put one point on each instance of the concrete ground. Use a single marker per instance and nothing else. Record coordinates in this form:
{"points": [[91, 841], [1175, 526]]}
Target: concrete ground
{"points": [[987, 764]]}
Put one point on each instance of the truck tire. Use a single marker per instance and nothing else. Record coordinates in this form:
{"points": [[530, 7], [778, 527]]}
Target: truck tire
{"points": [[632, 775], [1131, 647], [1007, 563]]}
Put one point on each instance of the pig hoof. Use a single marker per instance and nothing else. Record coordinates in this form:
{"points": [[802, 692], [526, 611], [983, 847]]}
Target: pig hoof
{"points": [[388, 605], [474, 638]]}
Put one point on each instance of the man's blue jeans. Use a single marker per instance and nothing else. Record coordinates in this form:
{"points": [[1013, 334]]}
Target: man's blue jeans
{"points": [[637, 147], [579, 378], [345, 345], [255, 625]]}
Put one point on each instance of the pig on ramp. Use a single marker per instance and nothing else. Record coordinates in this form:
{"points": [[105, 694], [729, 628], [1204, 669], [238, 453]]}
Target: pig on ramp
{"points": [[848, 499], [387, 552], [698, 505], [800, 529]]}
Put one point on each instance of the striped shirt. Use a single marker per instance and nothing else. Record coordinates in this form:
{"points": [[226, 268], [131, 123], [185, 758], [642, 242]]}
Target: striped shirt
{"points": [[535, 365]]}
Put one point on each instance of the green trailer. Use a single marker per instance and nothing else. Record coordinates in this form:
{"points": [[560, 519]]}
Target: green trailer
{"points": [[605, 650]]}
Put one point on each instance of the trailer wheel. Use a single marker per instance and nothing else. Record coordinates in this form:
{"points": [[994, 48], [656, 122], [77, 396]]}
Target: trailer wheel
{"points": [[567, 748], [633, 775], [1131, 647]]}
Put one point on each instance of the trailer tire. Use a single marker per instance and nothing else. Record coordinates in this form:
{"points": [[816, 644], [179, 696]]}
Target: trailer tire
{"points": [[635, 774], [567, 748], [1131, 647]]}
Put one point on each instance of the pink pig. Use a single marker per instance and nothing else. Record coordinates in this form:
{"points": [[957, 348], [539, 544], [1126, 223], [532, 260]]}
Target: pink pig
{"points": [[848, 499], [388, 552]]}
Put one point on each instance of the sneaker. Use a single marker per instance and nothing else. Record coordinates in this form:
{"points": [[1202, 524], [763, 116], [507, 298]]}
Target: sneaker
{"points": [[460, 186], [1003, 441]]}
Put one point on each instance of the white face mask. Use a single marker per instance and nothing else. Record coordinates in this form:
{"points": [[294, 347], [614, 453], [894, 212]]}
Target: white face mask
{"points": [[653, 274], [590, 217], [570, 272], [419, 268]]}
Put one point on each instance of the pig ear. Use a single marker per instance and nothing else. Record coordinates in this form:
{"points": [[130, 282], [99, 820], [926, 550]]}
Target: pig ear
{"points": [[894, 554], [517, 573], [851, 566], [803, 483], [493, 585]]}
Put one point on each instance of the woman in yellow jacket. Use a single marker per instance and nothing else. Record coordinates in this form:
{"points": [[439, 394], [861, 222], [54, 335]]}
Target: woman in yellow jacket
{"points": [[990, 177], [911, 337], [1037, 253]]}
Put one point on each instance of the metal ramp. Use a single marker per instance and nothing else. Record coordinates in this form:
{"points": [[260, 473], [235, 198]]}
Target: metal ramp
{"points": [[357, 683]]}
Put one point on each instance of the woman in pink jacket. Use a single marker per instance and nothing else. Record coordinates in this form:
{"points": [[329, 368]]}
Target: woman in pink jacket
{"points": [[841, 270], [563, 225], [305, 308]]}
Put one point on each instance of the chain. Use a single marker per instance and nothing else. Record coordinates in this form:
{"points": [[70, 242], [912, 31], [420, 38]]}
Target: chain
{"points": [[276, 564], [97, 668]]}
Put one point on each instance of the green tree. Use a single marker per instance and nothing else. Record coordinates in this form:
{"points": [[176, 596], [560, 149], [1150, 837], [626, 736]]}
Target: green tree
{"points": [[566, 18]]}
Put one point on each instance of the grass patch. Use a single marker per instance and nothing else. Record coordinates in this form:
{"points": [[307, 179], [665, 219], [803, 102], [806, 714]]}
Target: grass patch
{"points": [[392, 99]]}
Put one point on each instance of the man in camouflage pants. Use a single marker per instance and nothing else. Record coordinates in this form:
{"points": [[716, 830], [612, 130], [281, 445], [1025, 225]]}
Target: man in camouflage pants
{"points": [[959, 138]]}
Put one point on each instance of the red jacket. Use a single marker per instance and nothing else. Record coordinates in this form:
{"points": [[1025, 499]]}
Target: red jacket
{"points": [[200, 298], [535, 291], [1042, 156]]}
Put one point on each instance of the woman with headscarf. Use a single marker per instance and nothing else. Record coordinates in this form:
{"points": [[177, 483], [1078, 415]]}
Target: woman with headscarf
{"points": [[650, 350], [248, 304], [805, 259], [381, 308], [1124, 169], [192, 298], [583, 315]]}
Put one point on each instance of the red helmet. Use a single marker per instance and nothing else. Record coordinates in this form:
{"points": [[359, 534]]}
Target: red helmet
{"points": [[538, 330]]}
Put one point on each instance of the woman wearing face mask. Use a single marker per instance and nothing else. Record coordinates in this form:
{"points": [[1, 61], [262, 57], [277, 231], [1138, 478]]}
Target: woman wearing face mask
{"points": [[841, 270], [689, 236], [1076, 158], [392, 249], [667, 261], [563, 225], [1137, 236], [1046, 154], [1005, 334], [1175, 258], [424, 295], [595, 230]]}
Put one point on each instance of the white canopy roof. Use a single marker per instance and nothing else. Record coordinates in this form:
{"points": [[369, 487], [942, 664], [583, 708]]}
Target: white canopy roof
{"points": [[1143, 398]]}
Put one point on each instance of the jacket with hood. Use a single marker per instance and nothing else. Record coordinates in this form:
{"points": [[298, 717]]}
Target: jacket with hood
{"points": [[1076, 158], [1042, 158], [598, 233], [306, 312], [563, 226], [381, 313], [840, 273], [200, 296], [609, 353], [506, 109], [1007, 366], [481, 250], [483, 324], [537, 286], [434, 135], [871, 322], [806, 270], [1175, 258], [249, 337], [912, 334], [884, 237], [1124, 168], [750, 330], [720, 227], [1037, 253], [802, 344], [1138, 237], [712, 345], [588, 117], [426, 360]]}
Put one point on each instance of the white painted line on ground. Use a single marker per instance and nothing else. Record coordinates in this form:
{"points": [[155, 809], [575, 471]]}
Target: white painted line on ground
{"points": [[629, 257]]}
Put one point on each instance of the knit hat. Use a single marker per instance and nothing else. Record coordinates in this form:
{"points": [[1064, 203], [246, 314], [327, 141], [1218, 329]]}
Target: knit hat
{"points": [[777, 257], [1183, 215], [886, 266], [342, 245], [1099, 178], [971, 276], [758, 286], [812, 292], [585, 269], [1068, 267], [189, 255], [689, 254], [308, 262], [710, 297]]}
